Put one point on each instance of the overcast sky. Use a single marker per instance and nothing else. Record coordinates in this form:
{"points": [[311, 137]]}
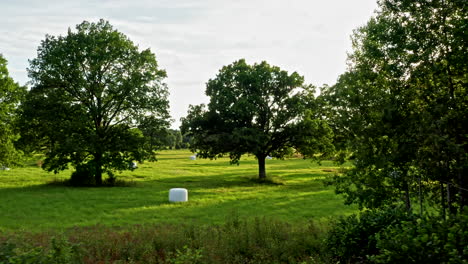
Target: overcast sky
{"points": [[193, 39]]}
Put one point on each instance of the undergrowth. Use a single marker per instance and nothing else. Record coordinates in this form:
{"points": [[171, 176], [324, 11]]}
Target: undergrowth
{"points": [[236, 241]]}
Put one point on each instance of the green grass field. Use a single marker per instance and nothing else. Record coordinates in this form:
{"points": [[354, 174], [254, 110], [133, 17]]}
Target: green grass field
{"points": [[217, 190]]}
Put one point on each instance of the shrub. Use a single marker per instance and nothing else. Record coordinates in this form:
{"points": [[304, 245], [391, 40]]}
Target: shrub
{"points": [[391, 235], [59, 252], [187, 256], [354, 238], [426, 240], [6, 251], [83, 176]]}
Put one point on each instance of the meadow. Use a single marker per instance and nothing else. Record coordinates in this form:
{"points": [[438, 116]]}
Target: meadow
{"points": [[230, 217], [31, 200]]}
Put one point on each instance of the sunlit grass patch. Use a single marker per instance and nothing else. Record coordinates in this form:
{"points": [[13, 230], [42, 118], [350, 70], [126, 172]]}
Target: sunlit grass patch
{"points": [[31, 199]]}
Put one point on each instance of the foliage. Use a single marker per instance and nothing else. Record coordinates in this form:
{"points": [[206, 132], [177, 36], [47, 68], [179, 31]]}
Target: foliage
{"points": [[425, 240], [401, 108], [354, 238], [179, 141], [166, 139], [377, 236], [235, 241], [91, 89], [158, 136], [392, 235], [11, 93], [258, 109], [187, 256], [59, 251]]}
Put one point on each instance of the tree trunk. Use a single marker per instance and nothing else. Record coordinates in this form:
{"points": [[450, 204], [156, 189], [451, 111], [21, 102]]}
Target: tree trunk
{"points": [[261, 167], [407, 197], [420, 197], [442, 199], [98, 169], [450, 199], [462, 189], [98, 150]]}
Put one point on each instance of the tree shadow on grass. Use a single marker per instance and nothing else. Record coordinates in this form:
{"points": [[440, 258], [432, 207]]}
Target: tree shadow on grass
{"points": [[106, 183], [45, 205], [210, 195], [215, 181]]}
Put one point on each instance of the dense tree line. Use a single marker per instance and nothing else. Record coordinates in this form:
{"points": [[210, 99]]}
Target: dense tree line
{"points": [[400, 114], [401, 109]]}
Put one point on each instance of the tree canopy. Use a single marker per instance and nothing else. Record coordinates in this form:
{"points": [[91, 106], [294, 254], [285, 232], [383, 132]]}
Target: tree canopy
{"points": [[90, 90], [11, 94], [258, 109], [402, 106]]}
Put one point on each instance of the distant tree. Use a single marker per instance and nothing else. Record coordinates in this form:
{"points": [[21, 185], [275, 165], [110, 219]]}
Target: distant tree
{"points": [[186, 139], [258, 109], [11, 94], [90, 89], [176, 139], [159, 136], [156, 133], [402, 106]]}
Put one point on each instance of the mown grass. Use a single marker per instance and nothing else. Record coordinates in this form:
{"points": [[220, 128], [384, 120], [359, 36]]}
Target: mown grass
{"points": [[29, 202]]}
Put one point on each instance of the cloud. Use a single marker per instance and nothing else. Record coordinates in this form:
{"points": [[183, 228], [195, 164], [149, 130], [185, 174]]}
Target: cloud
{"points": [[193, 39]]}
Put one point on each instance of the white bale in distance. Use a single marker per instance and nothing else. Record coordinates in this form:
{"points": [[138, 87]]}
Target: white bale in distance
{"points": [[178, 195], [193, 157], [268, 158]]}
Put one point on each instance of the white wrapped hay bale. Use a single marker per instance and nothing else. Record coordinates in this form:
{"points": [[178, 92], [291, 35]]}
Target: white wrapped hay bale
{"points": [[133, 165], [193, 157], [178, 195]]}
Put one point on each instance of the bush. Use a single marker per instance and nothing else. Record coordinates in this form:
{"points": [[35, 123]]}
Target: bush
{"points": [[59, 252], [83, 176], [187, 256], [426, 240], [392, 235], [354, 238], [6, 251]]}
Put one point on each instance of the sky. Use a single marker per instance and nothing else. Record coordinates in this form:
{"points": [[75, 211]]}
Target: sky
{"points": [[194, 39]]}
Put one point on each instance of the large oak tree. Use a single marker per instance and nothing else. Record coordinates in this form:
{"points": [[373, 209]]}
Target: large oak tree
{"points": [[90, 90], [258, 109]]}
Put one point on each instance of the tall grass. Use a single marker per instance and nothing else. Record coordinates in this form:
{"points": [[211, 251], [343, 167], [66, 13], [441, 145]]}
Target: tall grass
{"points": [[235, 241]]}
